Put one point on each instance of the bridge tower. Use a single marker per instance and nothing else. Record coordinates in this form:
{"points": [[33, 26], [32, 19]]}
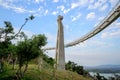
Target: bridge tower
{"points": [[60, 53]]}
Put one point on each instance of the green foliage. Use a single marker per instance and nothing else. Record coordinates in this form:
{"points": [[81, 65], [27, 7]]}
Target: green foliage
{"points": [[29, 49], [31, 17], [48, 59], [6, 35], [8, 27], [79, 69], [23, 50], [99, 77], [12, 49], [71, 66], [39, 40]]}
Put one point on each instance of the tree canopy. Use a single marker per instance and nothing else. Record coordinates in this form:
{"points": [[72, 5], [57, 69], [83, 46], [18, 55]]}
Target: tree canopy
{"points": [[24, 50]]}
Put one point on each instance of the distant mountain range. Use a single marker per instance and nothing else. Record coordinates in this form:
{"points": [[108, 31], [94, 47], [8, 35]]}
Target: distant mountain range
{"points": [[104, 68]]}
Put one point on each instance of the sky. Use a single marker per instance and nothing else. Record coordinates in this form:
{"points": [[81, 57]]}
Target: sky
{"points": [[80, 17]]}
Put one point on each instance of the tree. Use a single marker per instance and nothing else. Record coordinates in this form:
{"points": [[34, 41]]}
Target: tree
{"points": [[6, 35], [48, 59], [70, 65], [99, 77], [5, 38], [26, 20], [12, 57], [78, 69], [29, 49], [75, 68]]}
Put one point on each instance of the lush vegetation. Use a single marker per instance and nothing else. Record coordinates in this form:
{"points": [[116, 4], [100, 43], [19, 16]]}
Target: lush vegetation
{"points": [[71, 66], [23, 51]]}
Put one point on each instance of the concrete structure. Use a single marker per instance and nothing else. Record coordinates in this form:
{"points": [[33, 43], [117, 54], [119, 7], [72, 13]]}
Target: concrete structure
{"points": [[60, 53]]}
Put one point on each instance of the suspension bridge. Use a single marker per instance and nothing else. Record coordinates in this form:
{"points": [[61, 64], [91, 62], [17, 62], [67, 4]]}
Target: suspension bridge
{"points": [[113, 15]]}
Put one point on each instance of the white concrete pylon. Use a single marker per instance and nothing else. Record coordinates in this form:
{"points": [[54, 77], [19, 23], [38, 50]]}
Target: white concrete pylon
{"points": [[60, 53]]}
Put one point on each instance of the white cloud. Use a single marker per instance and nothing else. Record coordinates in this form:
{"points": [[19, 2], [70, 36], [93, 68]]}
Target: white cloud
{"points": [[101, 18], [74, 5], [55, 0], [104, 7], [3, 4], [90, 6], [46, 12], [54, 12], [91, 15], [76, 17], [113, 2], [97, 4], [79, 3], [18, 9], [93, 43], [8, 1], [37, 1], [91, 1], [66, 11], [13, 7], [112, 32], [21, 9], [117, 25], [31, 11], [61, 7], [40, 8]]}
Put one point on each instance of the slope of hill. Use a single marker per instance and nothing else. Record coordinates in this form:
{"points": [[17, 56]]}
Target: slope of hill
{"points": [[34, 73]]}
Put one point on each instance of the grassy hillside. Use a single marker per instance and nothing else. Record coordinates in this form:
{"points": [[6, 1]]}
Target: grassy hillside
{"points": [[45, 73]]}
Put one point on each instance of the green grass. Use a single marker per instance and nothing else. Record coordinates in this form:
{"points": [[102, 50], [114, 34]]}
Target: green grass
{"points": [[33, 73]]}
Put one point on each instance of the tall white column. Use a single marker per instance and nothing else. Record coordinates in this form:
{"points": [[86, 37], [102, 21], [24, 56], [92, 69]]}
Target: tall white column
{"points": [[60, 53]]}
